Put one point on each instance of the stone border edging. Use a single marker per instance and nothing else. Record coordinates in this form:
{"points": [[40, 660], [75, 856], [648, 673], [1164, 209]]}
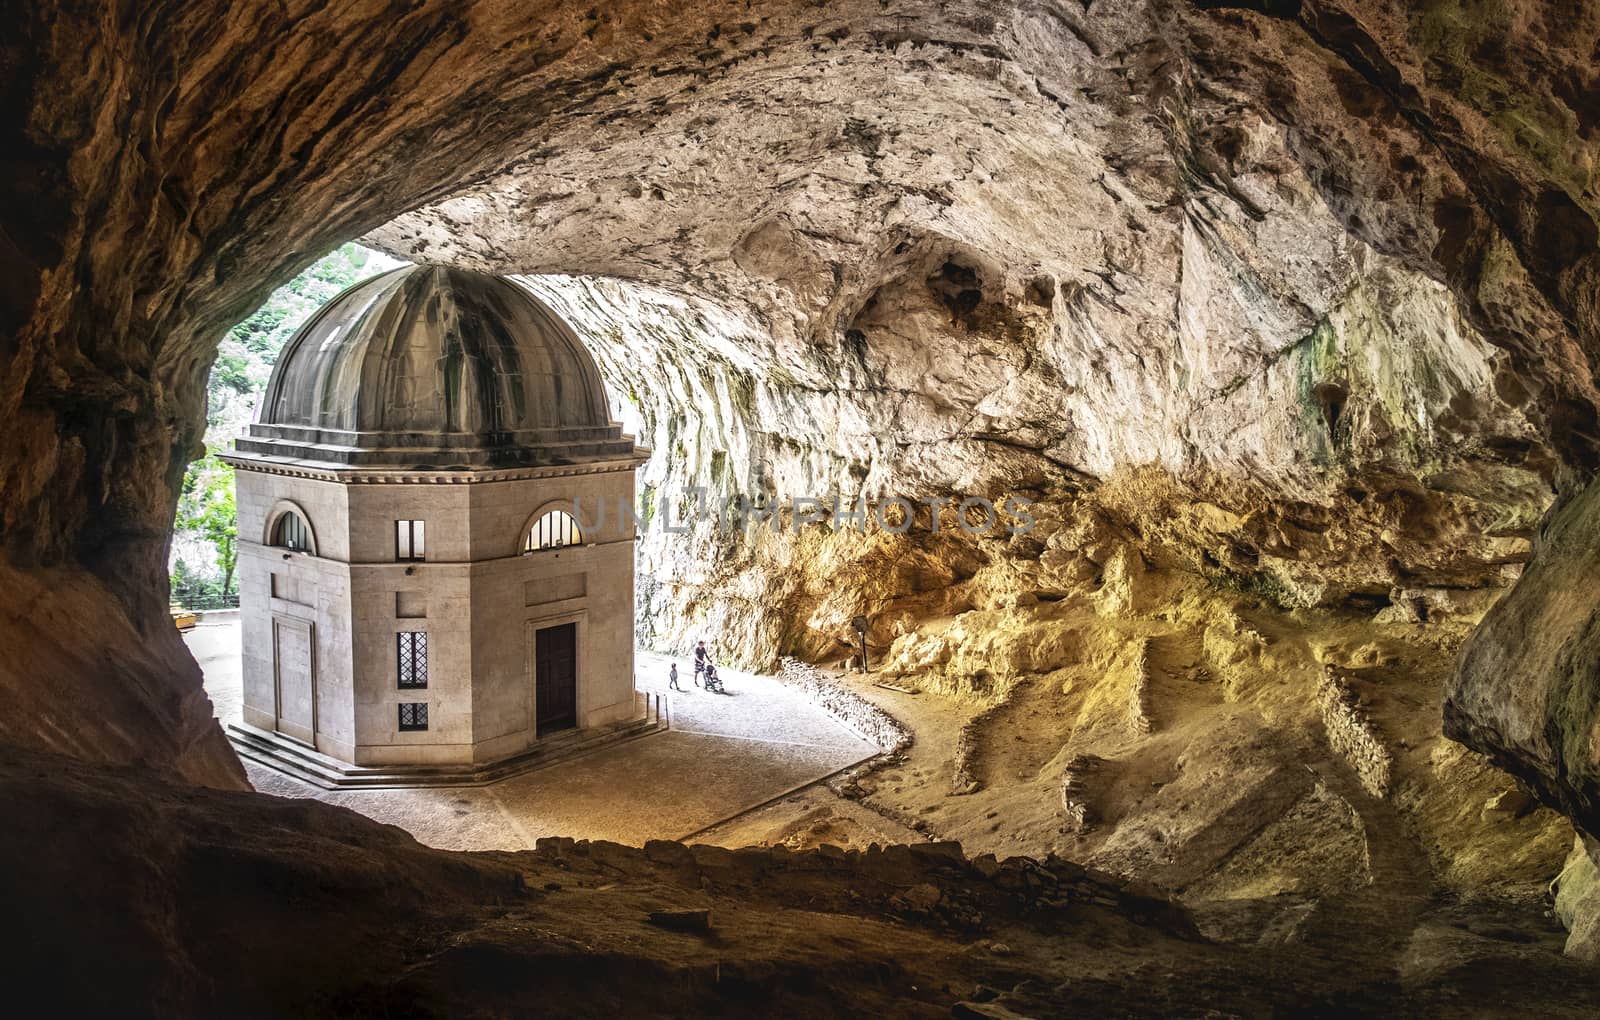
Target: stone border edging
{"points": [[1351, 733], [963, 778], [876, 726]]}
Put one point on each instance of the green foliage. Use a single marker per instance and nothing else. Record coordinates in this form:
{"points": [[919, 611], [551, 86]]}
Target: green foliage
{"points": [[275, 321], [647, 506], [207, 509], [206, 512], [1258, 585], [184, 581], [194, 590]]}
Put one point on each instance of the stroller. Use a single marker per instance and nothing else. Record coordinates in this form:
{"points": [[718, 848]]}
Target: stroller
{"points": [[712, 681]]}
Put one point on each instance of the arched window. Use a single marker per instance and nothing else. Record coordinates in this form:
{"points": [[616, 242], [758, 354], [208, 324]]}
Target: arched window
{"points": [[291, 532], [553, 529]]}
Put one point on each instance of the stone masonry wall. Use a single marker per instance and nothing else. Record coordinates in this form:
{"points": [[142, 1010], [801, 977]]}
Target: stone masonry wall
{"points": [[1351, 733]]}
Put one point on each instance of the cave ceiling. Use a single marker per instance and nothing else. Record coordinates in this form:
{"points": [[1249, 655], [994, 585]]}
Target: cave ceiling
{"points": [[1067, 238]]}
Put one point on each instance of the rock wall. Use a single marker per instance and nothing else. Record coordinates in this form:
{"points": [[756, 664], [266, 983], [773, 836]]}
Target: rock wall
{"points": [[1139, 720], [1578, 900], [1527, 689], [1055, 293], [1351, 733], [1324, 273]]}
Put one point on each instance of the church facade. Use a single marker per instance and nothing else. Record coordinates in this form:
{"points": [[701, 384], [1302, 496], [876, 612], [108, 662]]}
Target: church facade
{"points": [[415, 586]]}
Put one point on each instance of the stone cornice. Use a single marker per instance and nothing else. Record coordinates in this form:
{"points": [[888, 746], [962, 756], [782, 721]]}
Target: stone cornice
{"points": [[392, 476]]}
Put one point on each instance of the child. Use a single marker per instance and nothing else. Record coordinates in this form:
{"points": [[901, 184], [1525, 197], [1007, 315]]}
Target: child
{"points": [[672, 678]]}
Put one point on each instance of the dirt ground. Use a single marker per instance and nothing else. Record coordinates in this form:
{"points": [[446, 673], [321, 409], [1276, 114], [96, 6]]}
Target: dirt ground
{"points": [[1181, 749], [1214, 782], [191, 902]]}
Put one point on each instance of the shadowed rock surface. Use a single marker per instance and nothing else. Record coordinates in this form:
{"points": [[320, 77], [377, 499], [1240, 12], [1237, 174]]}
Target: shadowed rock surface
{"points": [[165, 900], [1528, 689]]}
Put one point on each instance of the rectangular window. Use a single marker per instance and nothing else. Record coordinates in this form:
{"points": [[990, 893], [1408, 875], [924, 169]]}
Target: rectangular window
{"points": [[413, 659], [413, 716], [408, 540]]}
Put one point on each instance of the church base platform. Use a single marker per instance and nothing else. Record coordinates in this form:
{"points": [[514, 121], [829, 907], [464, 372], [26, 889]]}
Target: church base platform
{"points": [[295, 759]]}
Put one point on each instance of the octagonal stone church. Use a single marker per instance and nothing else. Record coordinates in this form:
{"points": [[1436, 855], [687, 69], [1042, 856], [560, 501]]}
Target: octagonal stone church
{"points": [[417, 598]]}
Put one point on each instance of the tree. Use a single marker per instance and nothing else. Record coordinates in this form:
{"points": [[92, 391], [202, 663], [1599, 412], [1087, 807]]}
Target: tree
{"points": [[266, 331], [207, 508], [206, 513]]}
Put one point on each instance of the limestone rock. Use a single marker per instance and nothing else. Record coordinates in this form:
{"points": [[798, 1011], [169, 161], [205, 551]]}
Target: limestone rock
{"points": [[1527, 689], [1578, 900], [1351, 734], [1507, 805]]}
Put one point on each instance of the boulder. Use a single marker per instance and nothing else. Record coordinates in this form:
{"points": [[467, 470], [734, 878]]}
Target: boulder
{"points": [[1526, 690], [1578, 900]]}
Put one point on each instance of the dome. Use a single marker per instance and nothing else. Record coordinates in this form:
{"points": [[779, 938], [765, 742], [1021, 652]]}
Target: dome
{"points": [[435, 367]]}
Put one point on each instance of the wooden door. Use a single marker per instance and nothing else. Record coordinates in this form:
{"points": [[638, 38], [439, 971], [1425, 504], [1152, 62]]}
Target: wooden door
{"points": [[556, 669], [295, 678]]}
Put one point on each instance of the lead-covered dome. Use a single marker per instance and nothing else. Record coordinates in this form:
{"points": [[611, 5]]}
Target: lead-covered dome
{"points": [[435, 367]]}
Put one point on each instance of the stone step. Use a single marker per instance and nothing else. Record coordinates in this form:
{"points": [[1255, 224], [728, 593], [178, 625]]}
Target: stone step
{"points": [[308, 765], [264, 752]]}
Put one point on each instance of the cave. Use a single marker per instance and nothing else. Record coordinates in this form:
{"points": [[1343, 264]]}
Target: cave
{"points": [[1188, 407]]}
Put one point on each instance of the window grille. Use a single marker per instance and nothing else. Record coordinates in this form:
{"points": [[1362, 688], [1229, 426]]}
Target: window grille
{"points": [[413, 659], [552, 530], [408, 540], [292, 533], [413, 716]]}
